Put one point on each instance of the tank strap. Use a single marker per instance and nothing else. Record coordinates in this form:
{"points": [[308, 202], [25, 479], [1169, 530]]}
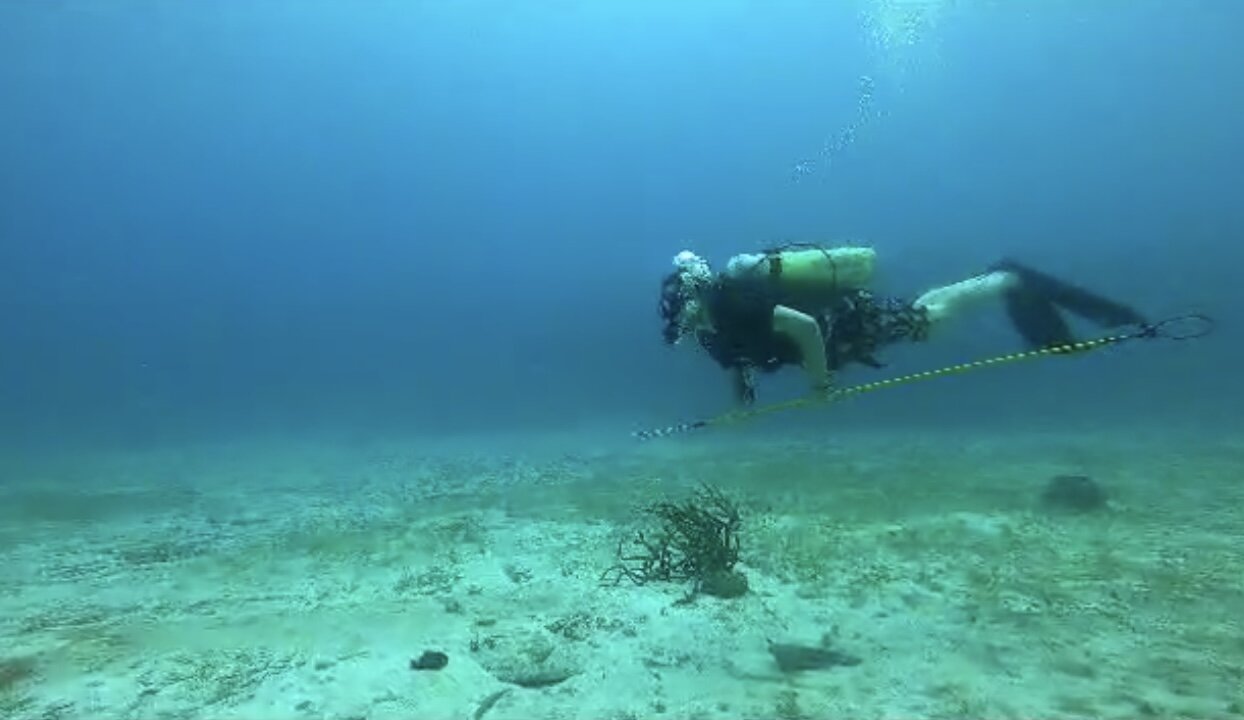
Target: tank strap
{"points": [[775, 264]]}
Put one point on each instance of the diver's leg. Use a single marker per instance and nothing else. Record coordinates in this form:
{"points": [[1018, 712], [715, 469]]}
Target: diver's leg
{"points": [[1036, 319], [950, 301], [1032, 300]]}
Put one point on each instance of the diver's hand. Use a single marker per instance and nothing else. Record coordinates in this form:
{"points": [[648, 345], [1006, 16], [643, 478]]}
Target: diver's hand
{"points": [[822, 387], [744, 385]]}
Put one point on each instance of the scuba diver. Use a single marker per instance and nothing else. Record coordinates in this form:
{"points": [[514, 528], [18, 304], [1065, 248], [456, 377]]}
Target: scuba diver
{"points": [[809, 306]]}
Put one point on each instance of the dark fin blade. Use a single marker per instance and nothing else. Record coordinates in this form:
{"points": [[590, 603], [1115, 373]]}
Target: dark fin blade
{"points": [[1037, 320], [1074, 299]]}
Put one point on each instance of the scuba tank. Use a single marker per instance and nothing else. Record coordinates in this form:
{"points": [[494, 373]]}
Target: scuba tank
{"points": [[808, 270]]}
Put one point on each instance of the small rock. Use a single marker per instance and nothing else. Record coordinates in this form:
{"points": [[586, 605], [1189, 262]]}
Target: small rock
{"points": [[799, 658], [1078, 493], [430, 660], [528, 658]]}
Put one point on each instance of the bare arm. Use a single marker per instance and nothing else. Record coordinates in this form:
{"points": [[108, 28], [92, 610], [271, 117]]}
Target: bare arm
{"points": [[802, 330]]}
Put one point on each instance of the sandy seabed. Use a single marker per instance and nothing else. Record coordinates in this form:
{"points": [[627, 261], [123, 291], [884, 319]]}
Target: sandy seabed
{"points": [[299, 580]]}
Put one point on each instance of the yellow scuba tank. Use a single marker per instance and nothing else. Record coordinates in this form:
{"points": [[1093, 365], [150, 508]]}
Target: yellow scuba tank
{"points": [[810, 270]]}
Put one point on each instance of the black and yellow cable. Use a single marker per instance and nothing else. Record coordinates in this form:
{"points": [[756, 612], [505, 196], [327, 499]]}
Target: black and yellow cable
{"points": [[1193, 326]]}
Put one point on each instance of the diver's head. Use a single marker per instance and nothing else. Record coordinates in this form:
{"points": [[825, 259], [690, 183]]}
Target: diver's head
{"points": [[681, 303]]}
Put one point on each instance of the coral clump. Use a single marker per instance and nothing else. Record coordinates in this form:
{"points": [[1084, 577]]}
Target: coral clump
{"points": [[696, 540]]}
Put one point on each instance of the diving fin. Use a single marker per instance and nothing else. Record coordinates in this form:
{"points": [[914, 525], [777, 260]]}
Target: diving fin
{"points": [[1072, 298], [1037, 320]]}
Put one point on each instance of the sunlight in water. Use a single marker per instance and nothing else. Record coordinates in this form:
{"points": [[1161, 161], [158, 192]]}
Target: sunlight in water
{"points": [[897, 24], [904, 35]]}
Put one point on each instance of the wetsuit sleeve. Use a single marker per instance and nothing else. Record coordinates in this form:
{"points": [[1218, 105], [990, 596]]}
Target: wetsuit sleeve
{"points": [[742, 316]]}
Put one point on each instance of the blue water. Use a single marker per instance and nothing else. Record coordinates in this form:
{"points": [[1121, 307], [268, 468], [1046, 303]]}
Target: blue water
{"points": [[222, 219]]}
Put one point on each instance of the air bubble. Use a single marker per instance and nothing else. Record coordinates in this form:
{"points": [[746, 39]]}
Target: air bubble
{"points": [[834, 144]]}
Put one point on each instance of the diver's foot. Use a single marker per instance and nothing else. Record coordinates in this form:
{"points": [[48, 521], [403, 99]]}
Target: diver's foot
{"points": [[1074, 299]]}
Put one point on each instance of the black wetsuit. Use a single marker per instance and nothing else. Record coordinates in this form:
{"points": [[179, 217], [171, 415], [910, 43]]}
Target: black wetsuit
{"points": [[854, 324]]}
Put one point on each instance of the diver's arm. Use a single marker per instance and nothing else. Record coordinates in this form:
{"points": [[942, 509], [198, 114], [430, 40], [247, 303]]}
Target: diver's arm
{"points": [[742, 382], [802, 329]]}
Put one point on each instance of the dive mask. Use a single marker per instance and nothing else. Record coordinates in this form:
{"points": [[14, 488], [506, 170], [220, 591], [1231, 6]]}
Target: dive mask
{"points": [[680, 295]]}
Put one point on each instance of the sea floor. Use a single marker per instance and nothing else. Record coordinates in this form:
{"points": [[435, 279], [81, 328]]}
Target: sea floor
{"points": [[300, 580]]}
